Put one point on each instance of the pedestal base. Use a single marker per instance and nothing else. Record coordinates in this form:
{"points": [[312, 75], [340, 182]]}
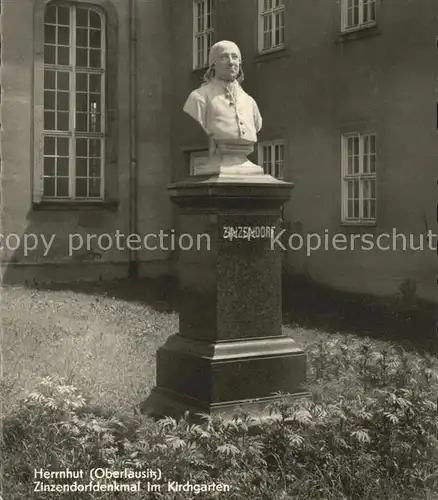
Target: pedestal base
{"points": [[202, 377], [230, 351]]}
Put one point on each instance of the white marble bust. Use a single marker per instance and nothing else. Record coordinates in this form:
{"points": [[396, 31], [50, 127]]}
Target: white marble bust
{"points": [[228, 115]]}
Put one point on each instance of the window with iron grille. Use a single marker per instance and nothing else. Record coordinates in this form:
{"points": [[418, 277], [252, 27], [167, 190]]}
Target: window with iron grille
{"points": [[74, 102], [359, 178], [203, 31], [271, 158], [358, 14], [271, 24]]}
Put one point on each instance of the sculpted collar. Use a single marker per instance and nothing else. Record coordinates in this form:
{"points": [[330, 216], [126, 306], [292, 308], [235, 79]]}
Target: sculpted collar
{"points": [[227, 86]]}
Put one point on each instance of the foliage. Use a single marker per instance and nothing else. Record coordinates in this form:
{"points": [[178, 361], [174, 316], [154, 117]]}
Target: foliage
{"points": [[369, 431]]}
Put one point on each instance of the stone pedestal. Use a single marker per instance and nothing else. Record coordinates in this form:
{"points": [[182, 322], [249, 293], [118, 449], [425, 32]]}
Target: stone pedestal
{"points": [[230, 350]]}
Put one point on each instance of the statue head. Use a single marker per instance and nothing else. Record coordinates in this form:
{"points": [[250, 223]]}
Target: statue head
{"points": [[225, 62]]}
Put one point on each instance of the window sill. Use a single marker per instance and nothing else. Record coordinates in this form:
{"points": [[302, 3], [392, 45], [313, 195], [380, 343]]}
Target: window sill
{"points": [[359, 224], [359, 32], [275, 53], [75, 205]]}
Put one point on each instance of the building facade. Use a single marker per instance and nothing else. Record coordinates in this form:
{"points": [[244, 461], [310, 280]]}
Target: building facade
{"points": [[93, 131], [348, 93], [85, 138]]}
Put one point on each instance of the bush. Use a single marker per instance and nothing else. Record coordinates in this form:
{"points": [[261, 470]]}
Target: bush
{"points": [[370, 431]]}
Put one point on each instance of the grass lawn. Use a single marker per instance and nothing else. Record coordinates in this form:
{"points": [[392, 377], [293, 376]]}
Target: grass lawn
{"points": [[369, 432], [100, 337], [102, 344], [103, 337]]}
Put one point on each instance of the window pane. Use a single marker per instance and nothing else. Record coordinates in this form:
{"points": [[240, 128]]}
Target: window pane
{"points": [[95, 58], [81, 122], [373, 11], [366, 189], [49, 186], [81, 167], [81, 82], [49, 79], [50, 15], [81, 147], [62, 146], [81, 187], [94, 186], [356, 16], [49, 120], [81, 58], [63, 101], [63, 80], [95, 148], [365, 207], [49, 166], [356, 209], [64, 15], [63, 56], [94, 122], [95, 19], [62, 167], [356, 189], [49, 100], [356, 165], [49, 34], [81, 37], [49, 54], [95, 36], [81, 101], [366, 160], [350, 165], [373, 209], [95, 83], [94, 168], [62, 120], [82, 17], [63, 35], [62, 186], [49, 145]]}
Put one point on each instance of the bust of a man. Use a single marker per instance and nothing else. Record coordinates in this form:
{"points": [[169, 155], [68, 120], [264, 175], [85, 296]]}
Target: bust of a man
{"points": [[229, 116]]}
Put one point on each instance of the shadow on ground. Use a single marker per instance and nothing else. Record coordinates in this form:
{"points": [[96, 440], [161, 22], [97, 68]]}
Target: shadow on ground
{"points": [[159, 293], [305, 304], [411, 324]]}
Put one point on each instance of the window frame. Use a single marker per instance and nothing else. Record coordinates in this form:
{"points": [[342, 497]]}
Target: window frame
{"points": [[108, 111], [203, 34], [261, 14], [272, 145], [361, 176], [345, 28]]}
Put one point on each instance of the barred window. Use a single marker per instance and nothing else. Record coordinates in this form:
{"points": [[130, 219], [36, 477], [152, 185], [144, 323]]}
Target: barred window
{"points": [[271, 157], [74, 102], [359, 177], [203, 31]]}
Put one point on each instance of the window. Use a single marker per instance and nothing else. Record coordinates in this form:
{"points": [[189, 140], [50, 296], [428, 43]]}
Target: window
{"points": [[359, 177], [271, 157], [271, 24], [74, 103], [358, 14], [203, 31]]}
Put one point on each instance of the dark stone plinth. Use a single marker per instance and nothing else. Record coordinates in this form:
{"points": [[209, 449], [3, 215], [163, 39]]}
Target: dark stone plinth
{"points": [[230, 350]]}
